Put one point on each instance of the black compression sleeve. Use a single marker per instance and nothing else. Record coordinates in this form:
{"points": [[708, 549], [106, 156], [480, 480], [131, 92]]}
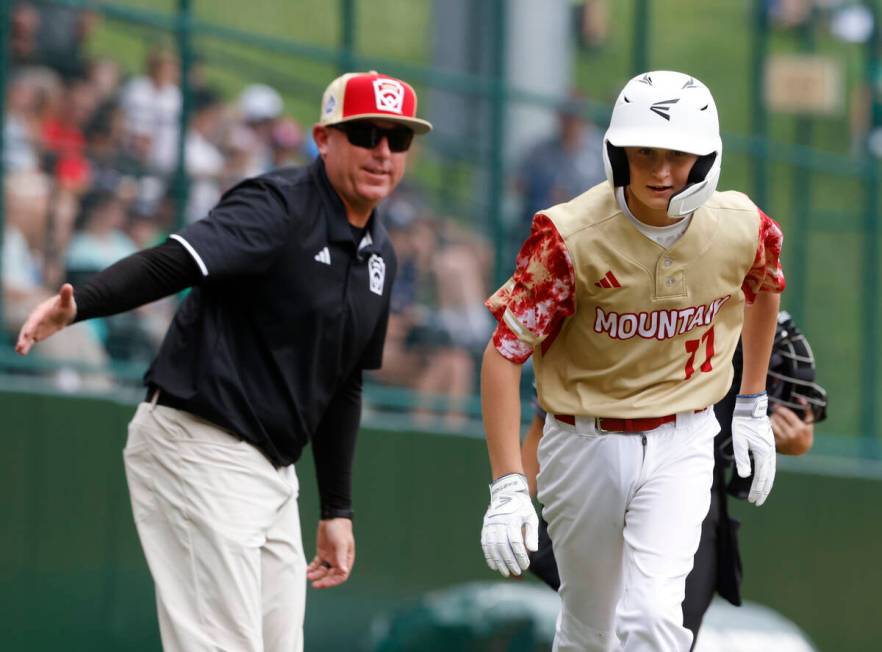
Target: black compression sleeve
{"points": [[137, 279], [333, 449]]}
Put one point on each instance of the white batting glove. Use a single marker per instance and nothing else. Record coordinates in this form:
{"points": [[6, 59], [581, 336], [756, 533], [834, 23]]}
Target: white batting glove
{"points": [[752, 432], [501, 537]]}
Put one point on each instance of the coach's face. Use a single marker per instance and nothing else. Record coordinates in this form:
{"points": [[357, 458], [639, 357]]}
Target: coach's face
{"points": [[360, 161], [656, 176]]}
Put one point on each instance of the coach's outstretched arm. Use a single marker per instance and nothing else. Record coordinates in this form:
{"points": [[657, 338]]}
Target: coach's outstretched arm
{"points": [[510, 523], [135, 280], [751, 429]]}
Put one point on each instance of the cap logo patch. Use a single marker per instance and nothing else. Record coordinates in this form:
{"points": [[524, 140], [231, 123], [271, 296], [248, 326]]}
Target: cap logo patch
{"points": [[389, 95], [330, 105]]}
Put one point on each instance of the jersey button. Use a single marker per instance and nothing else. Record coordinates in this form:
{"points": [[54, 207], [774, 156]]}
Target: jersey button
{"points": [[670, 281], [667, 262]]}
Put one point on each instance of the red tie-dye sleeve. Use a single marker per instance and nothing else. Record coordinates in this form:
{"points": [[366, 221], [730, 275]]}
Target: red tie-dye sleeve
{"points": [[533, 303], [766, 274]]}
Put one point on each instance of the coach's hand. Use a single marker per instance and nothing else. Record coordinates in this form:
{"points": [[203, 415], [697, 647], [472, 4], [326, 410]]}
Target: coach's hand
{"points": [[334, 553], [510, 520], [794, 435], [752, 433], [47, 319]]}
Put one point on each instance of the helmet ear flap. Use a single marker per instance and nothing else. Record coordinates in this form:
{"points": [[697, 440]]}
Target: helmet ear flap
{"points": [[700, 185], [618, 165]]}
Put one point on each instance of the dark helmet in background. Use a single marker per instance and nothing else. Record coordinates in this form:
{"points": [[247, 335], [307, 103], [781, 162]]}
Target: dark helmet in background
{"points": [[791, 378]]}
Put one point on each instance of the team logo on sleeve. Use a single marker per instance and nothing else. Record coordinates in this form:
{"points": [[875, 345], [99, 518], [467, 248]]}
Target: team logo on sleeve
{"points": [[377, 272], [389, 95]]}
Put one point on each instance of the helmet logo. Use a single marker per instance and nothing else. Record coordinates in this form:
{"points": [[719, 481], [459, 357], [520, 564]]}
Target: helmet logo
{"points": [[646, 79], [663, 108], [690, 83]]}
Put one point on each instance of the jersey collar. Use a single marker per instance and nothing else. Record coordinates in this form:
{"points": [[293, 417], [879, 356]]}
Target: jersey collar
{"points": [[338, 227]]}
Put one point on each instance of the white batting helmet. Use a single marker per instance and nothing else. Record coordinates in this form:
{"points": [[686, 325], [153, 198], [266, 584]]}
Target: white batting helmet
{"points": [[668, 110]]}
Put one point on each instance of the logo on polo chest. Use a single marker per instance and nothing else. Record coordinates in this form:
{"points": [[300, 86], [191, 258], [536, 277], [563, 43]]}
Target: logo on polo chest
{"points": [[389, 95], [376, 273]]}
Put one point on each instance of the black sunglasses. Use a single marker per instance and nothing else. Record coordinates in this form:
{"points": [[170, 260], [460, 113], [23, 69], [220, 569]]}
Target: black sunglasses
{"points": [[369, 135]]}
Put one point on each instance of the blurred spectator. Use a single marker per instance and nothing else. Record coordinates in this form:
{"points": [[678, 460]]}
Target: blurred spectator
{"points": [[26, 210], [63, 138], [19, 132], [112, 166], [287, 143], [260, 107], [561, 167], [27, 204], [61, 36], [50, 35], [592, 22], [24, 25], [48, 96], [437, 324], [104, 75], [100, 241], [788, 14], [205, 162], [151, 104]]}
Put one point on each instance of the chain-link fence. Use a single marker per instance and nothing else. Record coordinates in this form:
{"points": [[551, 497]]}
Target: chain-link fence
{"points": [[125, 120]]}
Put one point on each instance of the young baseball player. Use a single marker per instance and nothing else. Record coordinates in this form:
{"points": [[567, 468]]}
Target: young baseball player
{"points": [[631, 299], [796, 403]]}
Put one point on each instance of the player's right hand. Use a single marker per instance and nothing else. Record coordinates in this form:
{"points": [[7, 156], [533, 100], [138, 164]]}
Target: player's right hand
{"points": [[511, 526], [47, 319]]}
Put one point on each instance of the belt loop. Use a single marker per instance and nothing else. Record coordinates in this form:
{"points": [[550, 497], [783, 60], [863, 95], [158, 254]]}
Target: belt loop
{"points": [[154, 399]]}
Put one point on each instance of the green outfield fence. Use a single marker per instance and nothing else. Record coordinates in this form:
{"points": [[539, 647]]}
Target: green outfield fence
{"points": [[72, 576]]}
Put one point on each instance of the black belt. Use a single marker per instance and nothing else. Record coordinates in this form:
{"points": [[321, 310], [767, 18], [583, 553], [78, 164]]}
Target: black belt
{"points": [[165, 399]]}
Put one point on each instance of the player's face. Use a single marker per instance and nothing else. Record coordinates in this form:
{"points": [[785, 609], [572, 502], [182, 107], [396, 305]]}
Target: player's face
{"points": [[362, 175], [656, 176]]}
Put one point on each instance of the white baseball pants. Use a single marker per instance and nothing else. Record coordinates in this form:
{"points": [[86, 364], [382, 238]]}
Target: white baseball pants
{"points": [[221, 533], [624, 513]]}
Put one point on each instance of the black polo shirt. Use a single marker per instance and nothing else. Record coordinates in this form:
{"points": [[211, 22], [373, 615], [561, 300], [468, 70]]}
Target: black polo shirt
{"points": [[290, 307]]}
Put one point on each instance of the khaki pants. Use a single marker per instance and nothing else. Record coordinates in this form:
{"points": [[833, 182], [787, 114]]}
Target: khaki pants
{"points": [[221, 533]]}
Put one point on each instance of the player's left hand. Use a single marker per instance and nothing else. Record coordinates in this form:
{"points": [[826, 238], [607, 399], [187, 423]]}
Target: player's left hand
{"points": [[511, 526], [752, 433], [334, 553]]}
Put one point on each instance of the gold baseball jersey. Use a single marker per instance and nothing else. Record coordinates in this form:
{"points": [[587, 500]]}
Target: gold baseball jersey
{"points": [[619, 326]]}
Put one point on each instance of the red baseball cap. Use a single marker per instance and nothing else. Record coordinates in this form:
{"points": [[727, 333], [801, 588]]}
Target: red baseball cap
{"points": [[363, 95]]}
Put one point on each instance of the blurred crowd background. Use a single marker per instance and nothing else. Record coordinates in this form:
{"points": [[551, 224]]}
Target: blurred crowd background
{"points": [[123, 120], [121, 124]]}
